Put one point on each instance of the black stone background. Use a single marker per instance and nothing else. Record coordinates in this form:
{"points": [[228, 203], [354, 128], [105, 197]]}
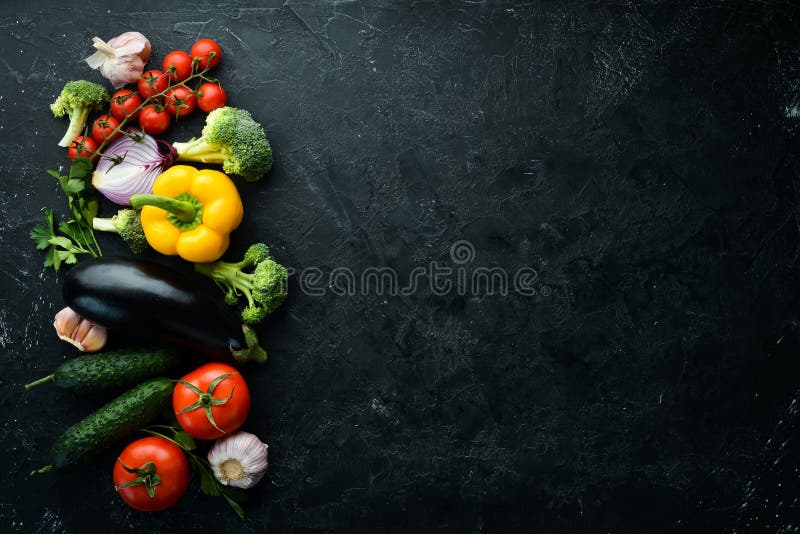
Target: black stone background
{"points": [[642, 157]]}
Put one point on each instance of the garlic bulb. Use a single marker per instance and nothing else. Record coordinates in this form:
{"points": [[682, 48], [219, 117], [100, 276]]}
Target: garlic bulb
{"points": [[83, 333], [121, 60], [239, 460]]}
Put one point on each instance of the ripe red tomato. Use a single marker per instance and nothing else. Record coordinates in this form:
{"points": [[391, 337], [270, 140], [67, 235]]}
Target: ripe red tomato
{"points": [[152, 82], [208, 52], [211, 96], [211, 401], [149, 458], [178, 65], [180, 101], [154, 119], [125, 102], [103, 127], [82, 147]]}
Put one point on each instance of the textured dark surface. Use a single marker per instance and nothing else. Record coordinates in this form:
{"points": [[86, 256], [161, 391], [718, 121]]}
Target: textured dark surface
{"points": [[642, 157]]}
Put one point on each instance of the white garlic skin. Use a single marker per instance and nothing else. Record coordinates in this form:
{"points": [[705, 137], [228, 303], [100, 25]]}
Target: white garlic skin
{"points": [[84, 334], [121, 60], [239, 460]]}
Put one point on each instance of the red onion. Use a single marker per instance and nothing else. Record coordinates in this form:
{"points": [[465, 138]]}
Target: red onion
{"points": [[130, 165]]}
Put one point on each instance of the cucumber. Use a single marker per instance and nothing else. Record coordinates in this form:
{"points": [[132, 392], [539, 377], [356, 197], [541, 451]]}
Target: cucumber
{"points": [[113, 422], [110, 371]]}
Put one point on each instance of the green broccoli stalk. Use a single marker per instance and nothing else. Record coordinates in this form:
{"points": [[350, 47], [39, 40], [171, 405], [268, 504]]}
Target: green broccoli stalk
{"points": [[78, 99], [264, 288], [232, 138], [128, 224]]}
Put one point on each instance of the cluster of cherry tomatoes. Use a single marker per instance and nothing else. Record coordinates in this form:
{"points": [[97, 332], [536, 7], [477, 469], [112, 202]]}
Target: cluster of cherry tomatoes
{"points": [[219, 410], [169, 98]]}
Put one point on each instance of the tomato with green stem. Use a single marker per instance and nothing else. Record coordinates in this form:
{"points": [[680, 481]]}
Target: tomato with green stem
{"points": [[211, 96], [207, 53], [211, 401], [180, 101], [178, 65], [152, 83], [151, 474], [154, 119], [82, 147], [105, 127], [125, 102]]}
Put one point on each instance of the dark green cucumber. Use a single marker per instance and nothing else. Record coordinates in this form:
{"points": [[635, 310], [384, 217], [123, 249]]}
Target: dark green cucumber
{"points": [[114, 370], [113, 422]]}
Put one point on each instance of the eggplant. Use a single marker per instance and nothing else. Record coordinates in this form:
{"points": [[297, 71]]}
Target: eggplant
{"points": [[150, 299]]}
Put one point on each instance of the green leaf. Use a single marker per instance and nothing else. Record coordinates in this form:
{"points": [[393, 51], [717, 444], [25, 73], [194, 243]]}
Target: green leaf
{"points": [[73, 186], [80, 168], [185, 440], [235, 506], [49, 259], [41, 236], [62, 242]]}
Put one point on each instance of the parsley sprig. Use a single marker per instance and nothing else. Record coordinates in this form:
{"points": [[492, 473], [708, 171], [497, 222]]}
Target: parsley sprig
{"points": [[76, 236]]}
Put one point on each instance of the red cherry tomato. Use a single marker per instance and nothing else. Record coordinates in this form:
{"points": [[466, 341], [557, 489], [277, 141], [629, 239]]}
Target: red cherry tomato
{"points": [[207, 52], [152, 82], [149, 458], [211, 96], [82, 147], [154, 119], [125, 102], [178, 65], [217, 388], [103, 128], [180, 101]]}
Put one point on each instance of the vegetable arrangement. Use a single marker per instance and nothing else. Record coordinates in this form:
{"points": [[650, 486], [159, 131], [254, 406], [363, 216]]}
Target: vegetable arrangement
{"points": [[168, 210]]}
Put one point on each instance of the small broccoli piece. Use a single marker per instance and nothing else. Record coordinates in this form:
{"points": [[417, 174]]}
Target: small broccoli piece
{"points": [[255, 254], [128, 224], [78, 99], [253, 314], [232, 138], [261, 280], [269, 284]]}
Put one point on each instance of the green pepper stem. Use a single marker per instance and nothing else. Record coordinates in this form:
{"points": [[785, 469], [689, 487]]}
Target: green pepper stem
{"points": [[185, 211], [45, 380]]}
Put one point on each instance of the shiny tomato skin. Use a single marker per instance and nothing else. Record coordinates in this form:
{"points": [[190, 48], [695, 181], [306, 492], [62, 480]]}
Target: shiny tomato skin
{"points": [[124, 102], [170, 464], [211, 96], [152, 82], [180, 101], [228, 417], [103, 127], [154, 120], [82, 147], [203, 49], [182, 63]]}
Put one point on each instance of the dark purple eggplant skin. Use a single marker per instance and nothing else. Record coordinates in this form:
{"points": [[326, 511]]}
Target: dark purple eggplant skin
{"points": [[152, 300]]}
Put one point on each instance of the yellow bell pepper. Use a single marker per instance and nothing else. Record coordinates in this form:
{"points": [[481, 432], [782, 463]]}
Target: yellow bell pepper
{"points": [[191, 213]]}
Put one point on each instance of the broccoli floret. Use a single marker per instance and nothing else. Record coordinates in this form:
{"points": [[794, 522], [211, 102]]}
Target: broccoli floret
{"points": [[128, 224], [269, 284], [77, 99], [232, 138], [261, 280]]}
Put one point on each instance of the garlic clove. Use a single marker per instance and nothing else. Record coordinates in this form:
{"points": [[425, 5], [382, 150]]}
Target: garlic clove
{"points": [[85, 335], [239, 460], [121, 60], [130, 43]]}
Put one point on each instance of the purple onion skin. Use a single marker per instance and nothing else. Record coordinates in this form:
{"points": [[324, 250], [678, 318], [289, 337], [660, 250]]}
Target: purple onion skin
{"points": [[130, 165]]}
